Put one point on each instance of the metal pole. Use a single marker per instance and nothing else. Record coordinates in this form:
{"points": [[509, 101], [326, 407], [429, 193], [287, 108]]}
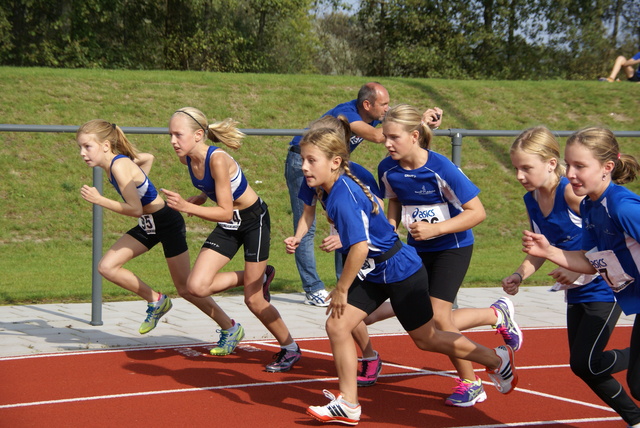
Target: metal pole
{"points": [[456, 146], [96, 278]]}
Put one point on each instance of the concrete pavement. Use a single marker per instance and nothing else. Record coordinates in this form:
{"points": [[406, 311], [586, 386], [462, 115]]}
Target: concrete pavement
{"points": [[51, 328]]}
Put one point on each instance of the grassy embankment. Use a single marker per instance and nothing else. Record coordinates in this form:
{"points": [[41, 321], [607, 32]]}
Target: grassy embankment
{"points": [[45, 226]]}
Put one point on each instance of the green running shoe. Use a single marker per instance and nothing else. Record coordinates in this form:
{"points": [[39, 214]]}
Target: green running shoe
{"points": [[154, 313], [228, 341]]}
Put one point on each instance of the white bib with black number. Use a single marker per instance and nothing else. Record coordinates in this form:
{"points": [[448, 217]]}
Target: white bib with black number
{"points": [[147, 224], [234, 224], [607, 264]]}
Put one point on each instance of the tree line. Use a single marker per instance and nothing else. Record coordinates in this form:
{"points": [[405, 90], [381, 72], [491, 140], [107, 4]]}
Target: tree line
{"points": [[461, 39]]}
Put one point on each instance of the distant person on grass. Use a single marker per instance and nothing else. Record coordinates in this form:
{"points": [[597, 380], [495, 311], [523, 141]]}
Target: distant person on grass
{"points": [[104, 145], [592, 311], [242, 221], [627, 65], [378, 266], [363, 113]]}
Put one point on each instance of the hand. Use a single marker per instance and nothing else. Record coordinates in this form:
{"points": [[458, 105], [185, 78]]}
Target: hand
{"points": [[331, 243], [564, 276], [291, 243], [433, 117], [337, 303], [423, 230], [535, 244], [90, 194], [174, 200], [511, 284]]}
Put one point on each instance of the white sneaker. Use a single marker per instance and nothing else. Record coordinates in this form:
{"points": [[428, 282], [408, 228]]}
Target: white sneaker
{"points": [[336, 411], [504, 377], [317, 299]]}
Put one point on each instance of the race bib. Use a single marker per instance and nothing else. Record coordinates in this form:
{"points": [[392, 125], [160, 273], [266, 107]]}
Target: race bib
{"points": [[147, 224], [583, 279], [234, 224], [367, 267], [429, 213], [607, 264]]}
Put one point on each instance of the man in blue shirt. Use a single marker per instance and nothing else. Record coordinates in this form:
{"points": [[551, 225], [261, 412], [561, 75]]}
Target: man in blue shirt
{"points": [[625, 65], [364, 114]]}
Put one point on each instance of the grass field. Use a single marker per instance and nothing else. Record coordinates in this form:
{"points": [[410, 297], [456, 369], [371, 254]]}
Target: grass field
{"points": [[45, 226]]}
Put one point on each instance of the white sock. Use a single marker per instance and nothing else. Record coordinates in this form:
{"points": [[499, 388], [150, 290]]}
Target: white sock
{"points": [[353, 406], [499, 315], [375, 357], [233, 328], [293, 346]]}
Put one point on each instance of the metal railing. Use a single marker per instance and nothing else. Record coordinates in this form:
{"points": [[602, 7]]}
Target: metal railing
{"points": [[456, 136]]}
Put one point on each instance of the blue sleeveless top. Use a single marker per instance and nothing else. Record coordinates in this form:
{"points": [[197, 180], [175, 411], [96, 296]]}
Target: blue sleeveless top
{"points": [[563, 228], [208, 184], [146, 191]]}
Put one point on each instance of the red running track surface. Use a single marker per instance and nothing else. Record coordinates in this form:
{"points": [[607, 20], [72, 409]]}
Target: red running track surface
{"points": [[185, 386]]}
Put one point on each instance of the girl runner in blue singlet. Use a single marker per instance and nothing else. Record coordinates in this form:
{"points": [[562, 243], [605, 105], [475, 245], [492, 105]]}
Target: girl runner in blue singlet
{"points": [[592, 312], [378, 266], [242, 220], [610, 223], [438, 206]]}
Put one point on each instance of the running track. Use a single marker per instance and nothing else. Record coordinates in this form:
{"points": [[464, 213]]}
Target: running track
{"points": [[185, 386]]}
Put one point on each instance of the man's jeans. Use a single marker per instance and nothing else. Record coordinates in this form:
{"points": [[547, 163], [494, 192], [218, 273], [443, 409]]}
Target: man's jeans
{"points": [[305, 256]]}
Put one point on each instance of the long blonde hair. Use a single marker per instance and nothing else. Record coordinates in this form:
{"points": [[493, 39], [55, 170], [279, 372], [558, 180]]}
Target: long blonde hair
{"points": [[331, 143], [107, 131], [224, 132]]}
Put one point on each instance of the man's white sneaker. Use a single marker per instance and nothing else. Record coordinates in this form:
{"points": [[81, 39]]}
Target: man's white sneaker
{"points": [[317, 298]]}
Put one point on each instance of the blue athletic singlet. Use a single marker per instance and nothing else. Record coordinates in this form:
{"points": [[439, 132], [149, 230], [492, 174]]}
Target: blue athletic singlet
{"points": [[612, 223], [146, 191], [563, 228], [208, 185], [350, 210], [434, 192]]}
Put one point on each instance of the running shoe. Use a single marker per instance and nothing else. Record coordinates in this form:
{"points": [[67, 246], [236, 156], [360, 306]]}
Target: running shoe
{"points": [[317, 298], [270, 272], [508, 328], [369, 370], [467, 393], [336, 411], [155, 311], [228, 341], [284, 360], [504, 377]]}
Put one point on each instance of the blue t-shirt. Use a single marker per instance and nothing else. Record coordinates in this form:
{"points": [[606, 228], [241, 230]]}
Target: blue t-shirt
{"points": [[350, 111], [563, 228], [434, 192], [146, 191], [350, 210], [208, 184], [637, 73], [612, 223]]}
